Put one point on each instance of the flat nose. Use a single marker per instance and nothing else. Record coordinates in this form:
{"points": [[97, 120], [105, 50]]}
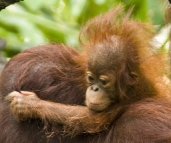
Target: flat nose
{"points": [[94, 88]]}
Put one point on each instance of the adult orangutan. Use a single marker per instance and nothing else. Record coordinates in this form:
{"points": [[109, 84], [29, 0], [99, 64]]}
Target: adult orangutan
{"points": [[126, 94]]}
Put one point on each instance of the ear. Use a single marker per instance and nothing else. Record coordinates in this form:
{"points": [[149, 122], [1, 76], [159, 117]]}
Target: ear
{"points": [[133, 78]]}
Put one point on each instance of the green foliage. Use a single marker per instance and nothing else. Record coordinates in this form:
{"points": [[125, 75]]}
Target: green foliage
{"points": [[35, 22]]}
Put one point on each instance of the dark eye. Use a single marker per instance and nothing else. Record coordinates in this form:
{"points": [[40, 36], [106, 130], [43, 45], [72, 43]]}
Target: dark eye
{"points": [[103, 81], [90, 78]]}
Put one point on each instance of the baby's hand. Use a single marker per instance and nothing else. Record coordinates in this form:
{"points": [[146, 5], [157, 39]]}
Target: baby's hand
{"points": [[23, 105]]}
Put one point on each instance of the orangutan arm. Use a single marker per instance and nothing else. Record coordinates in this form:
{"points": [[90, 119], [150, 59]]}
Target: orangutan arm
{"points": [[26, 105]]}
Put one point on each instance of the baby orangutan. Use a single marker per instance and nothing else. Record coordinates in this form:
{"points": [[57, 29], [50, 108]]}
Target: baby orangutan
{"points": [[118, 71], [101, 93]]}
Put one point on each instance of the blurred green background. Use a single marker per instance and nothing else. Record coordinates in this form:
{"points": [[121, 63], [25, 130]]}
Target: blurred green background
{"points": [[36, 22]]}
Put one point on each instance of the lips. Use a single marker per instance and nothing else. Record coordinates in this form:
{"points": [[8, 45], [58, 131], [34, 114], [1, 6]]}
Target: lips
{"points": [[94, 106]]}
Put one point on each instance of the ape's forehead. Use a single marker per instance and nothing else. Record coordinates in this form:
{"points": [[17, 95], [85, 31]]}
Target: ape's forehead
{"points": [[105, 56]]}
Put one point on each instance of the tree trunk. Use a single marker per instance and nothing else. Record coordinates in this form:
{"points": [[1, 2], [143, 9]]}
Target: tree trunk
{"points": [[5, 3]]}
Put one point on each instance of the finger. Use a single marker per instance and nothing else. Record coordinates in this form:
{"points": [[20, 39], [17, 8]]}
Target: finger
{"points": [[12, 95], [20, 118], [9, 98], [27, 93], [15, 93]]}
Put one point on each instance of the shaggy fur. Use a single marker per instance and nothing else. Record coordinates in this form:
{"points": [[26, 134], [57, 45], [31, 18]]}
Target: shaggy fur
{"points": [[56, 73]]}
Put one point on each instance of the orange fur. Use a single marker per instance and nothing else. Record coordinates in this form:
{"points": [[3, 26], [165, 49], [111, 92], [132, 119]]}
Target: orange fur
{"points": [[56, 73]]}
